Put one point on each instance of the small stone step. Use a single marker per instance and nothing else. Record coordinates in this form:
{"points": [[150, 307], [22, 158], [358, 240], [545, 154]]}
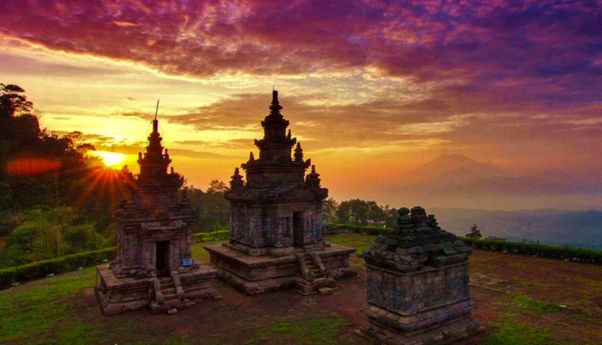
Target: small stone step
{"points": [[324, 282], [168, 291], [169, 297], [172, 311], [326, 291]]}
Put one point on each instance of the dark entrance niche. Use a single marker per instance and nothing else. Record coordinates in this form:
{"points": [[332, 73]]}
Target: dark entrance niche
{"points": [[298, 227], [162, 258]]}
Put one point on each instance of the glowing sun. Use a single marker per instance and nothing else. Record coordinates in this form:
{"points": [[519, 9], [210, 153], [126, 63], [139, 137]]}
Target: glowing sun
{"points": [[110, 159]]}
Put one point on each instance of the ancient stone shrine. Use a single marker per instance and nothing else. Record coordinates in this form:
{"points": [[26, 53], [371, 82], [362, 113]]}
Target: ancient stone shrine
{"points": [[418, 289], [153, 266], [276, 222]]}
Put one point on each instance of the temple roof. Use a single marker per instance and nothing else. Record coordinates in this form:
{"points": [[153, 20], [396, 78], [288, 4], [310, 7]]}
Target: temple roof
{"points": [[276, 143], [278, 173], [416, 242], [156, 159]]}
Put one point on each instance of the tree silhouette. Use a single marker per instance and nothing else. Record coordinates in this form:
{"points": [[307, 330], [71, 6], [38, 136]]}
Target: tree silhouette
{"points": [[474, 232], [13, 101], [363, 212]]}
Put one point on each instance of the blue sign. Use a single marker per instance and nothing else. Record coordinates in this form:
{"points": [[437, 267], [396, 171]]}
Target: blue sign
{"points": [[187, 262]]}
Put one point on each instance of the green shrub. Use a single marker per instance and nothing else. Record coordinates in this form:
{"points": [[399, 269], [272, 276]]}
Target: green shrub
{"points": [[40, 269], [556, 252], [219, 235], [358, 229], [543, 250], [7, 276]]}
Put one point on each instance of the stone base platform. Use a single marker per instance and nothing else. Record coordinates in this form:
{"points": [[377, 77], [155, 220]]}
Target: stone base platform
{"points": [[160, 294], [421, 329], [304, 270]]}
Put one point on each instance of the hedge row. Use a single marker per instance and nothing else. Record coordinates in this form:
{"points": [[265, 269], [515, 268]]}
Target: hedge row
{"points": [[219, 235], [358, 229], [555, 252], [40, 269]]}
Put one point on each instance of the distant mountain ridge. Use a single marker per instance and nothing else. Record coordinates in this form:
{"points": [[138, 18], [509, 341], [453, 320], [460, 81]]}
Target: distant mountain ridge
{"points": [[455, 173], [454, 166], [557, 227]]}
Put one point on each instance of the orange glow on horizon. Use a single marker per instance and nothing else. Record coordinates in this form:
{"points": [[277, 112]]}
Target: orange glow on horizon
{"points": [[32, 166], [110, 159]]}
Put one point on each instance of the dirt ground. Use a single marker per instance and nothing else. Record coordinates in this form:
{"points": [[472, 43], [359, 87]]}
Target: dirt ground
{"points": [[521, 300]]}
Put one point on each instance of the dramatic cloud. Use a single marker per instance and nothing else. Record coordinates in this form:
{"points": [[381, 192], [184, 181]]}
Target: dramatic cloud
{"points": [[395, 83], [389, 122], [489, 56], [430, 40]]}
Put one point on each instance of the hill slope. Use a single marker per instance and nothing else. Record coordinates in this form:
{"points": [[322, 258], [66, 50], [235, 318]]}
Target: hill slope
{"points": [[516, 304], [557, 227]]}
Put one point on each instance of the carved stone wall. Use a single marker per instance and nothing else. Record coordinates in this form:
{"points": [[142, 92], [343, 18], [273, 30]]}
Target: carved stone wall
{"points": [[153, 266], [418, 284], [276, 218]]}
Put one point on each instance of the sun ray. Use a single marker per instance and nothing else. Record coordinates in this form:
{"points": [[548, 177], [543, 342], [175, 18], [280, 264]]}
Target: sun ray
{"points": [[110, 159]]}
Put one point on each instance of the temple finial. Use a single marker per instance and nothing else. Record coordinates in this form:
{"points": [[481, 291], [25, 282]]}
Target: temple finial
{"points": [[236, 183], [298, 153], [157, 109], [275, 107], [312, 180], [155, 121]]}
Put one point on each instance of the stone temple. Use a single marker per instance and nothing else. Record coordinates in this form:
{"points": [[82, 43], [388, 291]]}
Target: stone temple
{"points": [[418, 290], [153, 267], [276, 222]]}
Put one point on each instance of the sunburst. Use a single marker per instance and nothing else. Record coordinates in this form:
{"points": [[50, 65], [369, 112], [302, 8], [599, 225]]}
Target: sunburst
{"points": [[110, 159]]}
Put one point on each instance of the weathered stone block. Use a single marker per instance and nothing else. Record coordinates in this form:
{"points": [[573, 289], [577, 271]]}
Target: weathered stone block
{"points": [[418, 291], [153, 266], [276, 220]]}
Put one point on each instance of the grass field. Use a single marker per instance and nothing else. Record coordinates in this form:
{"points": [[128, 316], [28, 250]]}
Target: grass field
{"points": [[522, 300]]}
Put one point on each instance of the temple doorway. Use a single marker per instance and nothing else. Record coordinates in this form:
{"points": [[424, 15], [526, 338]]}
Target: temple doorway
{"points": [[162, 258], [298, 228]]}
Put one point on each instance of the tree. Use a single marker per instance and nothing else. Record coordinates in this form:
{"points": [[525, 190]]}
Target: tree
{"points": [[329, 210], [16, 130], [5, 195], [362, 212], [12, 101], [390, 216], [212, 209], [474, 232], [216, 187], [354, 211]]}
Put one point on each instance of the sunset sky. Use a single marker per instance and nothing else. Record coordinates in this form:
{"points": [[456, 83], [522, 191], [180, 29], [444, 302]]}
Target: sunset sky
{"points": [[374, 90]]}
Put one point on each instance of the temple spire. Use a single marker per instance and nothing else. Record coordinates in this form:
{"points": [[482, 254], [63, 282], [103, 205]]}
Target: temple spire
{"points": [[277, 144], [157, 109], [236, 183], [155, 160], [298, 153], [155, 121], [275, 107], [312, 179]]}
